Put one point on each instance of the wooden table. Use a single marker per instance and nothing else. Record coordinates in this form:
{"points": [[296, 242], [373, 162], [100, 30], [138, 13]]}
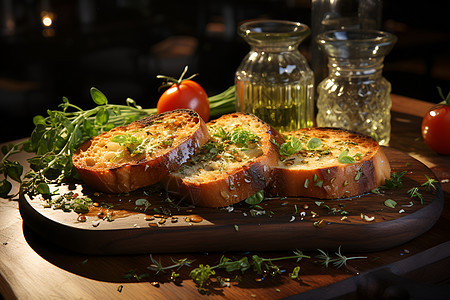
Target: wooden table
{"points": [[32, 269]]}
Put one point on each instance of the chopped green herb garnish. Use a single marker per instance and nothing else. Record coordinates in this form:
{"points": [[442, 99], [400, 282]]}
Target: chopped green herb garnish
{"points": [[256, 198], [430, 183], [344, 158], [291, 147], [414, 192], [395, 182], [314, 143], [390, 203]]}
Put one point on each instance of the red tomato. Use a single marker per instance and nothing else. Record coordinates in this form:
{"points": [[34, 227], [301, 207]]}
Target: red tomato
{"points": [[436, 129], [187, 94]]}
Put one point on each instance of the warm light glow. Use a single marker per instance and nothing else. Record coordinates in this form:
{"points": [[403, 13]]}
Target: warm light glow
{"points": [[47, 21]]}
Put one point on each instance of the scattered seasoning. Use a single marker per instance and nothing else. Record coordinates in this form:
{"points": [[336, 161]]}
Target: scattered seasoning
{"points": [[120, 288], [81, 218], [305, 206], [155, 283], [236, 227], [319, 224], [366, 218], [401, 211]]}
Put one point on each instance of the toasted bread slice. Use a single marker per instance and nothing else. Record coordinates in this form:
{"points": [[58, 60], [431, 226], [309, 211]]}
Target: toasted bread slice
{"points": [[140, 154], [236, 163], [346, 164]]}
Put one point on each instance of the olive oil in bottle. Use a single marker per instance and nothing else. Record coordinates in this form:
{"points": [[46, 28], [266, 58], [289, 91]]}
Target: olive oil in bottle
{"points": [[284, 107], [274, 81]]}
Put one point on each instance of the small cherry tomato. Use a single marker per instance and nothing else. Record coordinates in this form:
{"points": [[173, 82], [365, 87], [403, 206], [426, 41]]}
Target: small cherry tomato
{"points": [[436, 127], [184, 93]]}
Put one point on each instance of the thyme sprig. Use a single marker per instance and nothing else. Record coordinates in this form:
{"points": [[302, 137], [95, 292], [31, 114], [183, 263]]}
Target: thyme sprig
{"points": [[338, 261], [157, 266]]}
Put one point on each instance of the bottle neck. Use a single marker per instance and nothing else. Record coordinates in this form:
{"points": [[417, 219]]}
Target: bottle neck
{"points": [[355, 67]]}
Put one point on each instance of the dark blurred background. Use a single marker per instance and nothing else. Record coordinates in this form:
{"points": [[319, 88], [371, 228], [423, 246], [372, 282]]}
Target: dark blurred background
{"points": [[50, 49]]}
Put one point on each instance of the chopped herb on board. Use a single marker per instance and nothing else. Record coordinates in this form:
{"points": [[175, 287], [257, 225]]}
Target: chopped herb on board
{"points": [[395, 182], [430, 183], [390, 203]]}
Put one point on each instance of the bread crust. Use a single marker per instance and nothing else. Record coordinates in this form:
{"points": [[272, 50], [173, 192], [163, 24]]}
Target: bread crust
{"points": [[188, 135], [237, 182], [332, 179]]}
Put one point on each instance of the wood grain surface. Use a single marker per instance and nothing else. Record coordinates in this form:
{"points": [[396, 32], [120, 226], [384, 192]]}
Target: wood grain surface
{"points": [[119, 226], [31, 267]]}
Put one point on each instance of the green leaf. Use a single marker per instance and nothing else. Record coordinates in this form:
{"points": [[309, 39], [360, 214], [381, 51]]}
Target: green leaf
{"points": [[102, 117], [345, 159], [98, 97], [291, 147], [43, 188], [5, 188], [390, 203], [256, 198], [314, 143], [14, 170], [38, 120]]}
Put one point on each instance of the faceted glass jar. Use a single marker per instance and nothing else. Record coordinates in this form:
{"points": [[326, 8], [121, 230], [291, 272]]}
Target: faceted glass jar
{"points": [[274, 81], [355, 95]]}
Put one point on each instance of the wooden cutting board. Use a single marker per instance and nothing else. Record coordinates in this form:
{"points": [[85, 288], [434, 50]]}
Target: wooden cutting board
{"points": [[146, 221]]}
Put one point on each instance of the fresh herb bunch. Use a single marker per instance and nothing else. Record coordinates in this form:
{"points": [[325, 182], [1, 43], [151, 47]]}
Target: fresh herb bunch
{"points": [[56, 137], [201, 275]]}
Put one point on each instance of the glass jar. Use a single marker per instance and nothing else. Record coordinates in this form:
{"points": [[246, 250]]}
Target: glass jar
{"points": [[355, 95], [274, 81], [329, 15]]}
